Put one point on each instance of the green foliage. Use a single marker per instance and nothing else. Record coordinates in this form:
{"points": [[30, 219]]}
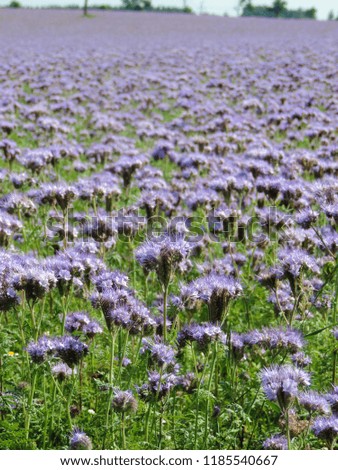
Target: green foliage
{"points": [[137, 5], [146, 5], [14, 4], [279, 7], [330, 15], [277, 10]]}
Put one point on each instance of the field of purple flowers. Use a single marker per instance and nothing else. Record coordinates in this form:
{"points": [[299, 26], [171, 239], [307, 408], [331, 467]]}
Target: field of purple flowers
{"points": [[168, 232]]}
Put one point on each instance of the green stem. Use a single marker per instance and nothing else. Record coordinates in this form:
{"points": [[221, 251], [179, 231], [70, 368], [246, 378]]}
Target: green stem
{"points": [[198, 393], [287, 428], [34, 327], [51, 424], [111, 378], [146, 438], [206, 421], [65, 228], [146, 289], [334, 321], [30, 401], [45, 412], [69, 399], [160, 427], [123, 430], [123, 353], [80, 383], [64, 301], [165, 300], [333, 442]]}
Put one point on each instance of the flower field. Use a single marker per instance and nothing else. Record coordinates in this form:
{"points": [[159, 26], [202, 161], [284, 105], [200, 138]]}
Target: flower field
{"points": [[168, 232]]}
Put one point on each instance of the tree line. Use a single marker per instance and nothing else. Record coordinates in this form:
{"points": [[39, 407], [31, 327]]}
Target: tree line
{"points": [[277, 10], [132, 5]]}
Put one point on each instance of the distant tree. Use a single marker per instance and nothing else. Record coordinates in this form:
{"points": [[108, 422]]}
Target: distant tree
{"points": [[242, 4], [310, 13], [130, 4], [137, 4], [330, 16], [14, 4], [277, 10], [186, 8], [278, 7], [85, 8], [104, 7]]}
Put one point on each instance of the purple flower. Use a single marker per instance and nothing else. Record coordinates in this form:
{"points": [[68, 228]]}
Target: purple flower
{"points": [[331, 210], [276, 442], [79, 440], [40, 349], [280, 383], [294, 260], [153, 201], [124, 401], [126, 167], [163, 256], [188, 382], [17, 203], [61, 371], [313, 401], [328, 239], [81, 322], [9, 225], [306, 218], [8, 296], [110, 280], [70, 350], [57, 193], [92, 329], [161, 384], [36, 281], [203, 334], [272, 338], [110, 299], [326, 428], [132, 315], [101, 228], [10, 149], [216, 290], [332, 398], [76, 321], [299, 359], [160, 353], [125, 361]]}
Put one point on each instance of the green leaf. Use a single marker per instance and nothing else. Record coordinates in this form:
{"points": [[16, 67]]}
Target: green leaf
{"points": [[314, 333]]}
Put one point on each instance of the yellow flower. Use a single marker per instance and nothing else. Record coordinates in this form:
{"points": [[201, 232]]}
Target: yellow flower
{"points": [[11, 353]]}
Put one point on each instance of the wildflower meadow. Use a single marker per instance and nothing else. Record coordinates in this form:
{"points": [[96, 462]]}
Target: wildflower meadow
{"points": [[168, 232]]}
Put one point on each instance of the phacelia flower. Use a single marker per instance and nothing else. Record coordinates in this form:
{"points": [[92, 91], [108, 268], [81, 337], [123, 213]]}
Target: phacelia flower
{"points": [[276, 442], [61, 371], [79, 440], [313, 401], [124, 401], [162, 256], [70, 350], [326, 428], [280, 383]]}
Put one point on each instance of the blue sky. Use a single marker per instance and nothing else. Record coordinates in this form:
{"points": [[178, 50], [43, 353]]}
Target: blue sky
{"points": [[218, 7]]}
